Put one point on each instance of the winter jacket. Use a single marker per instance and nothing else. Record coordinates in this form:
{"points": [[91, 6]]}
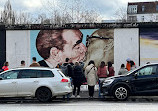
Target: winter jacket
{"points": [[78, 76], [91, 75], [111, 71], [102, 72], [122, 71], [36, 64], [5, 68], [67, 69]]}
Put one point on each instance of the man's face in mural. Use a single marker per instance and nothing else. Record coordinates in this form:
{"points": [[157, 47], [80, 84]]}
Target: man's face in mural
{"points": [[57, 45], [73, 48], [100, 49]]}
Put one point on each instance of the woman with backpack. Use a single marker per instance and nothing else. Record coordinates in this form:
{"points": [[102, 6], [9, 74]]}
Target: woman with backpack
{"points": [[77, 78], [92, 78]]}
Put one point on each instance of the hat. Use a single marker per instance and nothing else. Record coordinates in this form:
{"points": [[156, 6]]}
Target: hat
{"points": [[128, 59]]}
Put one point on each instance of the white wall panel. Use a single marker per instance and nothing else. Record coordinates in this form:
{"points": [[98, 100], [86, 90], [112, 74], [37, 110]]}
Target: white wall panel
{"points": [[126, 45], [17, 47]]}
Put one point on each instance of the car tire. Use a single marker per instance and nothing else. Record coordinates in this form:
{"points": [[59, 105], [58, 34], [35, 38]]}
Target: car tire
{"points": [[121, 93], [44, 94]]}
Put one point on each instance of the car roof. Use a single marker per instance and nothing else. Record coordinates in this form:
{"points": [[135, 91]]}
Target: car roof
{"points": [[37, 68]]}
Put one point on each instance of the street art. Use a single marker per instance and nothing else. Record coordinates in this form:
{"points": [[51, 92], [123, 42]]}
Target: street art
{"points": [[148, 45], [51, 47]]}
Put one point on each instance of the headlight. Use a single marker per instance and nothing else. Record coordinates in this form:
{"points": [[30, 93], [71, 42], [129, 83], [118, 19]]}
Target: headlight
{"points": [[108, 81]]}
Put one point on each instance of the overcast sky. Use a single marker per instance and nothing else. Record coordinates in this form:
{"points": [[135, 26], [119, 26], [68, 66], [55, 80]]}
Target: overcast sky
{"points": [[107, 8]]}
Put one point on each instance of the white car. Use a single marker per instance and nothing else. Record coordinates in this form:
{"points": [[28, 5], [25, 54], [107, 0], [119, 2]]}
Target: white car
{"points": [[42, 83]]}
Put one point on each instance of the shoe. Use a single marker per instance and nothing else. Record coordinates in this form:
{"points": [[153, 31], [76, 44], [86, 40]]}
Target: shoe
{"points": [[73, 96], [78, 96]]}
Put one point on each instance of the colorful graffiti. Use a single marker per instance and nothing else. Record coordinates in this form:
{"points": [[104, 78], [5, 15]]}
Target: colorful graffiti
{"points": [[148, 45], [53, 46]]}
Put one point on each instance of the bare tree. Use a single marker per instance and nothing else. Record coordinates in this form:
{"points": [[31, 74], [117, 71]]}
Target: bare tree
{"points": [[70, 11], [7, 15], [121, 14]]}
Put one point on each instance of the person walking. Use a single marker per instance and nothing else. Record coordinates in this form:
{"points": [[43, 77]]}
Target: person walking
{"points": [[110, 69], [122, 70], [102, 74], [5, 66], [92, 78], [77, 78], [34, 63]]}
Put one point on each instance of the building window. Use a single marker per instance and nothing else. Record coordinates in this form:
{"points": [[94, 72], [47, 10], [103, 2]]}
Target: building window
{"points": [[156, 7], [143, 8]]}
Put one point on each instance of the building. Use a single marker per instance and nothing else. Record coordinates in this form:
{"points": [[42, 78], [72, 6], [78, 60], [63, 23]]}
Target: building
{"points": [[142, 11]]}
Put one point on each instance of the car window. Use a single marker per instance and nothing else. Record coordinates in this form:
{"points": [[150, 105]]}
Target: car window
{"points": [[28, 73], [61, 73], [149, 70], [44, 73], [10, 74]]}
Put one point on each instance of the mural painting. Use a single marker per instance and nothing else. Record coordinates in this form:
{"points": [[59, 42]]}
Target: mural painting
{"points": [[52, 47]]}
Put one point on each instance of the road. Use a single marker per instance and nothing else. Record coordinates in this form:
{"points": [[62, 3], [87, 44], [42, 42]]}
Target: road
{"points": [[81, 105]]}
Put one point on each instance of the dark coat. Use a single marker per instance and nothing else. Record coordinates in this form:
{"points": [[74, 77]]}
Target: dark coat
{"points": [[78, 76], [43, 63]]}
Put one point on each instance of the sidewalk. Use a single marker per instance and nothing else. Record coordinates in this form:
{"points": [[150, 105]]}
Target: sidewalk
{"points": [[84, 94]]}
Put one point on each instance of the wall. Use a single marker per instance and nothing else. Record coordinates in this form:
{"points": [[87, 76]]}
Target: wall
{"points": [[17, 47], [126, 45]]}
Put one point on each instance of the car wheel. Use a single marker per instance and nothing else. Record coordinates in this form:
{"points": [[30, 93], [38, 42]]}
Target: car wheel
{"points": [[121, 93], [44, 94]]}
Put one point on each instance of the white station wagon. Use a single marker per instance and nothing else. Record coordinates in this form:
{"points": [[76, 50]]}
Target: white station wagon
{"points": [[42, 83]]}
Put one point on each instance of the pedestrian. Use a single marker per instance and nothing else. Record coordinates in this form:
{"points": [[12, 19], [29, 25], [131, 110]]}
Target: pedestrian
{"points": [[92, 78], [77, 78], [34, 63], [110, 69], [128, 65], [67, 70], [102, 74], [133, 66], [22, 63], [5, 66], [122, 70]]}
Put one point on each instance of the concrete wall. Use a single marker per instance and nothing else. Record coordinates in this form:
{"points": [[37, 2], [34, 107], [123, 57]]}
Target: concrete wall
{"points": [[126, 45], [17, 47]]}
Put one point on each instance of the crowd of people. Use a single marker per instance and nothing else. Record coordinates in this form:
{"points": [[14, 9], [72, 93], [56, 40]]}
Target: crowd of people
{"points": [[90, 75]]}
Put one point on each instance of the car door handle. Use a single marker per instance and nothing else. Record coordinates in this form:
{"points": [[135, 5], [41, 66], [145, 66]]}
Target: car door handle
{"points": [[35, 81], [14, 82]]}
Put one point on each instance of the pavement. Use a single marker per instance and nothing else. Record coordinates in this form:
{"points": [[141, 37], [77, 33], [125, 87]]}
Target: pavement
{"points": [[84, 94]]}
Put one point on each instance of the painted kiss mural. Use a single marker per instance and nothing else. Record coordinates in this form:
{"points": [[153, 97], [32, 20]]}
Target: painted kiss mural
{"points": [[148, 45], [53, 46]]}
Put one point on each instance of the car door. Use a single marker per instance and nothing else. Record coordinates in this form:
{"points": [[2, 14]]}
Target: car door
{"points": [[27, 82], [144, 80], [8, 84]]}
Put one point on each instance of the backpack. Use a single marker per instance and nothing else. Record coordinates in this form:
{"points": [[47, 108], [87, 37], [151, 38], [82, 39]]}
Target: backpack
{"points": [[64, 69]]}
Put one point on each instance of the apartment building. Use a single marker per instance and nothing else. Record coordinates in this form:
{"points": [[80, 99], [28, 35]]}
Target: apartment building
{"points": [[142, 11]]}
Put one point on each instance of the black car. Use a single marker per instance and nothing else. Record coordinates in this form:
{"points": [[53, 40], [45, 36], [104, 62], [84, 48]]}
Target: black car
{"points": [[142, 81]]}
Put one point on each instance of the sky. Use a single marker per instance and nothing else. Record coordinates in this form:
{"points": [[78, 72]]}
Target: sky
{"points": [[106, 8]]}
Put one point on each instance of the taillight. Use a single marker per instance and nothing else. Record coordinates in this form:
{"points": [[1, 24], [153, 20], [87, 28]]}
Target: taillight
{"points": [[64, 80]]}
